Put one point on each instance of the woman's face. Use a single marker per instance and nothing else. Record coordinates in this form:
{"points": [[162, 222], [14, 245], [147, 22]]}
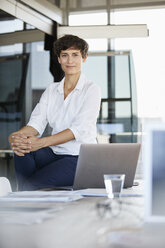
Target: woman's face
{"points": [[71, 60]]}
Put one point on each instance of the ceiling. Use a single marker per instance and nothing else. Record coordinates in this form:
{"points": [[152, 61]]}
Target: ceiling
{"points": [[84, 5], [42, 13]]}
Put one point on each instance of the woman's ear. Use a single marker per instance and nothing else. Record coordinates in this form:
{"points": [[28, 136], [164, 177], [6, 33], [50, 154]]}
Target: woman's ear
{"points": [[59, 61], [84, 59]]}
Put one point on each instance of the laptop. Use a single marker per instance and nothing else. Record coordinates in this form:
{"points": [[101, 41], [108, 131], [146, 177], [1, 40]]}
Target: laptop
{"points": [[95, 160]]}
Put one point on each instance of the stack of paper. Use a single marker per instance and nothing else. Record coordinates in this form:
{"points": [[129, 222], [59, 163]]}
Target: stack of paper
{"points": [[33, 213], [41, 196]]}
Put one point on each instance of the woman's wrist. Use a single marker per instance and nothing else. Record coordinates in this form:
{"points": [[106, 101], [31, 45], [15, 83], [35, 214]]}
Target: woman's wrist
{"points": [[45, 141]]}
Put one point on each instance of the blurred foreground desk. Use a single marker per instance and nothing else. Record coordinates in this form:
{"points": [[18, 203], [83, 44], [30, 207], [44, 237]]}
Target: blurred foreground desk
{"points": [[83, 223]]}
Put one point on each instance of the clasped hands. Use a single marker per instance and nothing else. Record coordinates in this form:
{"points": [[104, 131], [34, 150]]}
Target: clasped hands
{"points": [[22, 143]]}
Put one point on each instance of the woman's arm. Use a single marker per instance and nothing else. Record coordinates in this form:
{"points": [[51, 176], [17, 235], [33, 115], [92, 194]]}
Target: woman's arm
{"points": [[56, 139], [26, 140]]}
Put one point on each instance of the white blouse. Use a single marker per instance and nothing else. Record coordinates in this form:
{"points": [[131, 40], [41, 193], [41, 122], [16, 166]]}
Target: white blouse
{"points": [[78, 112]]}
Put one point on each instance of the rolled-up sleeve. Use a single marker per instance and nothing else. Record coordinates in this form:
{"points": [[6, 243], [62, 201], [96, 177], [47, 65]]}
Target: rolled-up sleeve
{"points": [[38, 118], [84, 123]]}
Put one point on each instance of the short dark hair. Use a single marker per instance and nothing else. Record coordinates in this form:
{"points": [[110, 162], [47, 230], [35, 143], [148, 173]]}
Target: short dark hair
{"points": [[68, 41]]}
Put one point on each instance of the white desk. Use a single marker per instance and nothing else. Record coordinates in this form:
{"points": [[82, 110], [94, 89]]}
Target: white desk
{"points": [[73, 225]]}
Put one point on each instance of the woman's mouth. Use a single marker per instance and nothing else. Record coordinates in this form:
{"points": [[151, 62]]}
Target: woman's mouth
{"points": [[70, 66]]}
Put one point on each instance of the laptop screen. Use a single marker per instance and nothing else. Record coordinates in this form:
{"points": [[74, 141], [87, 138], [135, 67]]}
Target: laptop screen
{"points": [[96, 160]]}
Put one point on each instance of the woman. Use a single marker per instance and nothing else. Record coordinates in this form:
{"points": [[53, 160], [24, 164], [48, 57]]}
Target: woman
{"points": [[71, 108]]}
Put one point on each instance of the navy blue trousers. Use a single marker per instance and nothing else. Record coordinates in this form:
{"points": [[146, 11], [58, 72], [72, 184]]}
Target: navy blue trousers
{"points": [[44, 169]]}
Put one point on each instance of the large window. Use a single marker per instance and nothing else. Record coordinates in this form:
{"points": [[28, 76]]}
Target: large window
{"points": [[13, 70], [40, 74], [148, 54]]}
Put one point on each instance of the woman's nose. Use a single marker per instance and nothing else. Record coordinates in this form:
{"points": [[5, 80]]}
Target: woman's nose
{"points": [[70, 59]]}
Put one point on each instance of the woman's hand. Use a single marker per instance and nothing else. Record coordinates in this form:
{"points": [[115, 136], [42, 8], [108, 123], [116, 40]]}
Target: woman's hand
{"points": [[35, 143], [20, 143]]}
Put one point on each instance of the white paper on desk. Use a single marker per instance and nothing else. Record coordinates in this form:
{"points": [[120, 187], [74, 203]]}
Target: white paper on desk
{"points": [[101, 192], [93, 192], [39, 192], [41, 196]]}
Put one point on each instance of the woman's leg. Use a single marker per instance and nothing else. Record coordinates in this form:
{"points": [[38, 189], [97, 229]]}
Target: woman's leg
{"points": [[57, 173], [27, 165]]}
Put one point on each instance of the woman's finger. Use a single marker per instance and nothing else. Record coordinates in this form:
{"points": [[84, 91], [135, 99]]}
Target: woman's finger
{"points": [[20, 150], [19, 153]]}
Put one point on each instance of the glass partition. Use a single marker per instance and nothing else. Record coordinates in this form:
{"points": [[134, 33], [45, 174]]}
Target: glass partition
{"points": [[118, 112], [12, 84]]}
